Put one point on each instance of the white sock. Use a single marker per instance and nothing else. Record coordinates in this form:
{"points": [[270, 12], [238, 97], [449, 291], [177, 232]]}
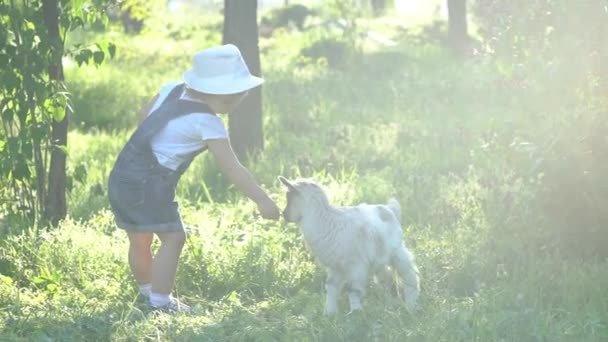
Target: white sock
{"points": [[145, 289], [159, 299]]}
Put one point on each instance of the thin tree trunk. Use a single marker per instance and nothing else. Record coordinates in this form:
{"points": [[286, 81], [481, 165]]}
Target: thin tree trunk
{"points": [[38, 162], [56, 207], [378, 7], [458, 36], [241, 29]]}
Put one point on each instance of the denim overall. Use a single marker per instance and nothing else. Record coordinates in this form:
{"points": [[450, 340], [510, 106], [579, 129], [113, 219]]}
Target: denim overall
{"points": [[141, 191]]}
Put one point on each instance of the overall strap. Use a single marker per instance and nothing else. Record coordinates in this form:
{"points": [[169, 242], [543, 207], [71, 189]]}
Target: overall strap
{"points": [[171, 108], [137, 157]]}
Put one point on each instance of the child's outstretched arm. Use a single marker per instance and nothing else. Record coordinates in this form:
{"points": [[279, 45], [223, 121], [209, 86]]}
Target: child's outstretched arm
{"points": [[241, 177]]}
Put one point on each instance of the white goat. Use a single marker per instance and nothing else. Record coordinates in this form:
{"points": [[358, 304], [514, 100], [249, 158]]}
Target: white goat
{"points": [[352, 243]]}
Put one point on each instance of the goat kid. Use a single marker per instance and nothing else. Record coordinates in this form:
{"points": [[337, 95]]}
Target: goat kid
{"points": [[352, 243]]}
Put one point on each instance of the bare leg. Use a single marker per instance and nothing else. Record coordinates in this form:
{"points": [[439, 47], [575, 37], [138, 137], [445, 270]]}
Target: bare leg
{"points": [[140, 256], [165, 262]]}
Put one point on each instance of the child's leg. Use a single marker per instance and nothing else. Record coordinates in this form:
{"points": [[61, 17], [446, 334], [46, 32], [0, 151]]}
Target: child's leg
{"points": [[140, 256], [165, 261]]}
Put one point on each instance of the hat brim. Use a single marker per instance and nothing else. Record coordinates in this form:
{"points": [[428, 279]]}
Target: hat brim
{"points": [[221, 85]]}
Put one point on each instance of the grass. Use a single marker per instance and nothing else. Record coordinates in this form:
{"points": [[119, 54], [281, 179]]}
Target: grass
{"points": [[257, 283], [458, 149]]}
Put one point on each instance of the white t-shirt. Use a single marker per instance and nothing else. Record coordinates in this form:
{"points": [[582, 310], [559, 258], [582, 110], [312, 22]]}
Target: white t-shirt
{"points": [[185, 134]]}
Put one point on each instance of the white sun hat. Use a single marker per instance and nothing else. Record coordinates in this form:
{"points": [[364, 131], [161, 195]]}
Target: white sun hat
{"points": [[220, 70]]}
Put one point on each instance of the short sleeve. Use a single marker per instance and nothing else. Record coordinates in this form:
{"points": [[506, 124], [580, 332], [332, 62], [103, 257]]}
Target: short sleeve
{"points": [[211, 127]]}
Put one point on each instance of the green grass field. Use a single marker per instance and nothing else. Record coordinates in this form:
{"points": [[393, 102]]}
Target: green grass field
{"points": [[469, 154]]}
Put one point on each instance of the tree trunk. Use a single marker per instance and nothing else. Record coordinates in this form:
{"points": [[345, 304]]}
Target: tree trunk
{"points": [[241, 29], [378, 7], [56, 207], [458, 37]]}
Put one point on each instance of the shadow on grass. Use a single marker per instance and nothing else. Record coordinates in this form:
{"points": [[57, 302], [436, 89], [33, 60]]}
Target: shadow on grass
{"points": [[299, 318]]}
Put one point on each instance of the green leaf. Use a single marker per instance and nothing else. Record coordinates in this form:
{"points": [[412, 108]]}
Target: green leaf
{"points": [[38, 132], [83, 56], [78, 59], [80, 173], [112, 50], [76, 23], [52, 287], [105, 20], [58, 113], [29, 26], [21, 170], [98, 57], [40, 90], [65, 23], [504, 68], [57, 106], [6, 280], [64, 98], [39, 280], [8, 115], [13, 146], [62, 148], [69, 183], [77, 7], [11, 80]]}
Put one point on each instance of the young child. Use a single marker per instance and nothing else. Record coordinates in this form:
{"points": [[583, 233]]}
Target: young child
{"points": [[176, 125]]}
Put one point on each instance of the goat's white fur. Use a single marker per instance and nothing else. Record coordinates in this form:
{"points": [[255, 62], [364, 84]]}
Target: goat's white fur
{"points": [[352, 243]]}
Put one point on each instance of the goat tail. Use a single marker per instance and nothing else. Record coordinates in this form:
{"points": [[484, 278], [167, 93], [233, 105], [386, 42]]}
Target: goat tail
{"points": [[403, 261], [395, 207]]}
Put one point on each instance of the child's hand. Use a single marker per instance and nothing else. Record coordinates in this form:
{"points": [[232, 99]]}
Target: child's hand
{"points": [[269, 210]]}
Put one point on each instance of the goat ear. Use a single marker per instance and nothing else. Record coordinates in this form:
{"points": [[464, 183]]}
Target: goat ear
{"points": [[287, 183]]}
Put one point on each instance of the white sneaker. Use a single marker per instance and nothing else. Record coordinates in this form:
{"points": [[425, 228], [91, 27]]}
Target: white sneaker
{"points": [[173, 306]]}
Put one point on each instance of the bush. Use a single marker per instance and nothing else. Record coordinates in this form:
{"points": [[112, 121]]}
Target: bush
{"points": [[574, 195], [553, 51]]}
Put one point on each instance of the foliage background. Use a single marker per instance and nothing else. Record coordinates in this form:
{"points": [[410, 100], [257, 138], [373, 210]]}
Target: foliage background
{"points": [[498, 159]]}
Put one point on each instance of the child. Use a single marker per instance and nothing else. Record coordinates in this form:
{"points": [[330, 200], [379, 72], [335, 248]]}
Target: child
{"points": [[176, 125]]}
